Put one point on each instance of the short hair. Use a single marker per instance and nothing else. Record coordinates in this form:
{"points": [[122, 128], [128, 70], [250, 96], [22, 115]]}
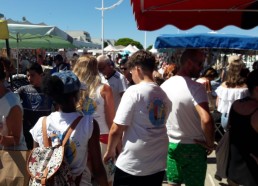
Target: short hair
{"points": [[105, 59], [145, 59], [255, 65], [59, 58], [35, 67], [123, 61], [189, 54]]}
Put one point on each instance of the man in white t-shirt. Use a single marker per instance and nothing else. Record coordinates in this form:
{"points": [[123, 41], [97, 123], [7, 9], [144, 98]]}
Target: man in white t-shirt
{"points": [[190, 125], [113, 78], [140, 122]]}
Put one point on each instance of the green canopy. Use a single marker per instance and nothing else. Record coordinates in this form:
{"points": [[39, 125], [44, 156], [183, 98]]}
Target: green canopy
{"points": [[30, 41]]}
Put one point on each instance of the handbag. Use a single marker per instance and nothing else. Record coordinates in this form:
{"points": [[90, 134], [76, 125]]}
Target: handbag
{"points": [[222, 155], [13, 168]]}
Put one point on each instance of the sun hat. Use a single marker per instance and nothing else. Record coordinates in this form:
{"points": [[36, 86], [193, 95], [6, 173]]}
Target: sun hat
{"points": [[70, 81], [234, 58]]}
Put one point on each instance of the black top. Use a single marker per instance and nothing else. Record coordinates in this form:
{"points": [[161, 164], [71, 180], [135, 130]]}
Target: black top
{"points": [[243, 140]]}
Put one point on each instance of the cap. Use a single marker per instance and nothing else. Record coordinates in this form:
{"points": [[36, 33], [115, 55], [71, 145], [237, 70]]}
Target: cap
{"points": [[70, 81]]}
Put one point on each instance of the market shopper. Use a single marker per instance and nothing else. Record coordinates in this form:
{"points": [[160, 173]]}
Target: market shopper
{"points": [[63, 88], [140, 122], [233, 88], [34, 102], [11, 113], [112, 77], [243, 156], [96, 99], [190, 125]]}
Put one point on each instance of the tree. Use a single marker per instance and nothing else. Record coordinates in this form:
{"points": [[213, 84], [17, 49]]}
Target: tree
{"points": [[105, 44], [149, 47], [24, 19], [127, 41]]}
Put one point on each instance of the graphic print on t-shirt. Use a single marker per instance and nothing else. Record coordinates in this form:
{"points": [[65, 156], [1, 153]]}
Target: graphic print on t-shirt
{"points": [[157, 112], [70, 147], [89, 106]]}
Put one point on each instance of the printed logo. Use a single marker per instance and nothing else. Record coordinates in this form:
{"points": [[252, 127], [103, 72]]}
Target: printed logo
{"points": [[89, 106], [157, 112]]}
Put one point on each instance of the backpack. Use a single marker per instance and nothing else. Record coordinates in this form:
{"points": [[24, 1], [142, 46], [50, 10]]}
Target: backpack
{"points": [[47, 165]]}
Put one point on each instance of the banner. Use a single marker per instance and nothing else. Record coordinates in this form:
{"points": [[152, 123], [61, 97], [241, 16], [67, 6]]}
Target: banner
{"points": [[4, 32]]}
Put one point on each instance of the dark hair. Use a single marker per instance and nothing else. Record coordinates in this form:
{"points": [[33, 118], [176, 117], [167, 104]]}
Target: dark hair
{"points": [[252, 80], [2, 71], [189, 54], [210, 73], [255, 65], [145, 59], [123, 61], [35, 67], [54, 88], [59, 58]]}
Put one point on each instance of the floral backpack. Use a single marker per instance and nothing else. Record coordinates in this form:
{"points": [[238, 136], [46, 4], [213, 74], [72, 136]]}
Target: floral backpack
{"points": [[47, 165]]}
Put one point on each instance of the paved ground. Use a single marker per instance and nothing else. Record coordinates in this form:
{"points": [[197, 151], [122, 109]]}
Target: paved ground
{"points": [[210, 180]]}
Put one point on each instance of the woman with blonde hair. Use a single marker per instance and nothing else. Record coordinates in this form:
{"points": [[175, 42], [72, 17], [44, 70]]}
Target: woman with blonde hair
{"points": [[233, 88], [96, 98]]}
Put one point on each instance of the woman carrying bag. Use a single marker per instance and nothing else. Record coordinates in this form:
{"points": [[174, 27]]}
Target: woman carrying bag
{"points": [[12, 143]]}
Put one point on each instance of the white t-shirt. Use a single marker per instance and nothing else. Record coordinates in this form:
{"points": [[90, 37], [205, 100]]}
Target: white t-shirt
{"points": [[144, 108], [76, 151], [183, 122], [118, 84]]}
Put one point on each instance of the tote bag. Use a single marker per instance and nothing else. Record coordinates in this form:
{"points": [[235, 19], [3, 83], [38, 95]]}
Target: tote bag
{"points": [[13, 168], [222, 155]]}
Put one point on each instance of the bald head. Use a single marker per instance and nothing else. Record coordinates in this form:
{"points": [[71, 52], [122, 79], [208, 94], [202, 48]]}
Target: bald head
{"points": [[105, 65], [103, 59]]}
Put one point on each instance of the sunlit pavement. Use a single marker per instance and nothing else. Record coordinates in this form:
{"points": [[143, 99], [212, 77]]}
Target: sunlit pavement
{"points": [[210, 180]]}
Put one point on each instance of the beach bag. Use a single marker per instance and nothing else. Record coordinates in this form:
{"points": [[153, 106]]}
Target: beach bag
{"points": [[222, 155], [47, 165], [13, 167]]}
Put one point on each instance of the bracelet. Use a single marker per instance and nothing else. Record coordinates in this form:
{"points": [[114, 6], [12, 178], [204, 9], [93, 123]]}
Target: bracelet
{"points": [[1, 139]]}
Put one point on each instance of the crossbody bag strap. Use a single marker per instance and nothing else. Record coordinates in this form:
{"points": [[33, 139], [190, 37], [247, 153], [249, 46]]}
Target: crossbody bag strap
{"points": [[46, 140], [71, 129]]}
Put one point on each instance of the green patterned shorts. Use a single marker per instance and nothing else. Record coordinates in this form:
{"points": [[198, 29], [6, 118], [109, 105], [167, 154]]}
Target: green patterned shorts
{"points": [[186, 163]]}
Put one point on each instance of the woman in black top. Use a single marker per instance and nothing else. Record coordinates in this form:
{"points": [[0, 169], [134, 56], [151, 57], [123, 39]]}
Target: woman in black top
{"points": [[243, 122]]}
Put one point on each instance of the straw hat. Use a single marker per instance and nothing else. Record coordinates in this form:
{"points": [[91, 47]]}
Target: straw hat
{"points": [[234, 58]]}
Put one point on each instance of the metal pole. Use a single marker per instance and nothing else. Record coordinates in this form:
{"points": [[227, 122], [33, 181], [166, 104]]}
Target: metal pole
{"points": [[17, 54], [145, 40], [102, 18], [8, 51]]}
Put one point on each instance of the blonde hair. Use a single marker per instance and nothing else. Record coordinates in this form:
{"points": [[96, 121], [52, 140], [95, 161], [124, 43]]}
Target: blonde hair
{"points": [[86, 69]]}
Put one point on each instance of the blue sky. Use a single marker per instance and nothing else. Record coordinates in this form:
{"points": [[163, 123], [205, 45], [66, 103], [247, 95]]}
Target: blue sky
{"points": [[83, 15]]}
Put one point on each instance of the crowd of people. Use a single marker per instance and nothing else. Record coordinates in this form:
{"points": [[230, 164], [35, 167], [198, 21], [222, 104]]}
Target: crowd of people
{"points": [[149, 122]]}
